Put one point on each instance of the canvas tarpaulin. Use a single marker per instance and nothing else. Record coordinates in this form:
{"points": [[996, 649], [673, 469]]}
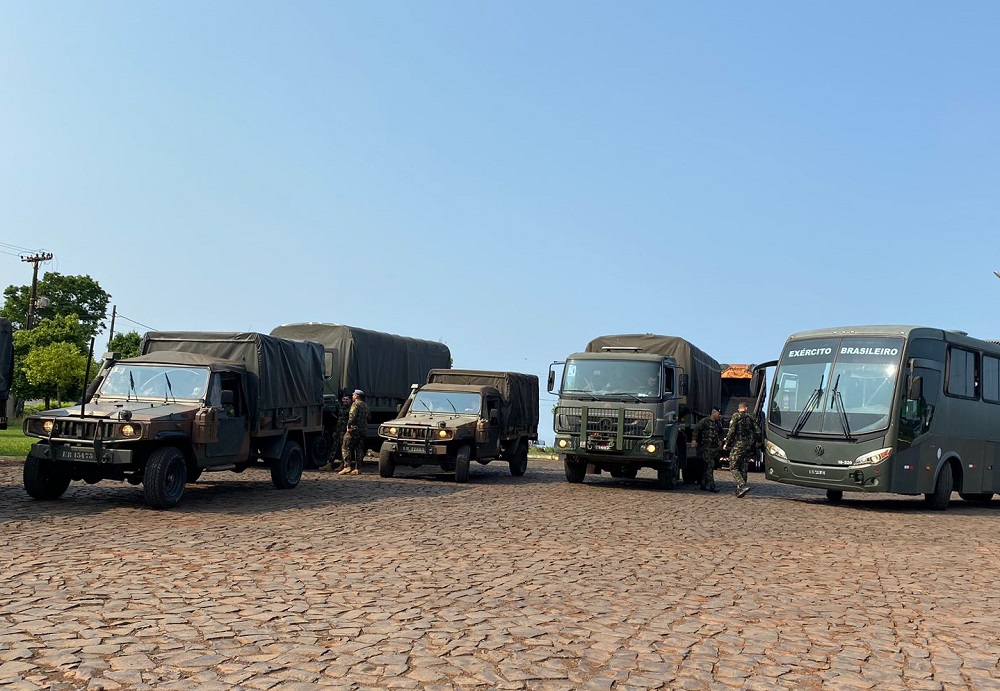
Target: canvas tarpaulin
{"points": [[704, 372], [518, 392], [382, 365], [284, 373], [6, 366]]}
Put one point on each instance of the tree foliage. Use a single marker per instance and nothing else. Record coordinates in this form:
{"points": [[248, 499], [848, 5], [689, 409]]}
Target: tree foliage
{"points": [[55, 368], [67, 330], [125, 344], [78, 295]]}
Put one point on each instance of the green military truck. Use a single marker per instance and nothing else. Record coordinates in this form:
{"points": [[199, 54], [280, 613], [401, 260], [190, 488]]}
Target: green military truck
{"points": [[460, 416], [630, 401], [190, 402], [6, 367], [382, 365]]}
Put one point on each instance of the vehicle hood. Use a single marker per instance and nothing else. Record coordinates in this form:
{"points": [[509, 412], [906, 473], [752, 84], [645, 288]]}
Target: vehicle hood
{"points": [[434, 420], [140, 410]]}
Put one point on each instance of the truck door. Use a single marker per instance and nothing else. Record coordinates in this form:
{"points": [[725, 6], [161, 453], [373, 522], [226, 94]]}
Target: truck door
{"points": [[226, 393]]}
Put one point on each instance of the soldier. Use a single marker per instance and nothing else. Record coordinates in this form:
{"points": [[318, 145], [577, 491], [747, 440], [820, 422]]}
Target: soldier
{"points": [[742, 440], [354, 437], [341, 431], [708, 436]]}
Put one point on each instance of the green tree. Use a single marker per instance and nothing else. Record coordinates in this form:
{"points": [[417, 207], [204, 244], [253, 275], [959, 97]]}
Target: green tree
{"points": [[125, 344], [79, 295], [55, 367], [66, 329]]}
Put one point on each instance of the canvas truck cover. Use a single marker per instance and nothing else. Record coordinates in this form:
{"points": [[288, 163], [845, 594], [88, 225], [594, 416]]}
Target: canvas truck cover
{"points": [[382, 365], [284, 373], [519, 392], [704, 372], [6, 361]]}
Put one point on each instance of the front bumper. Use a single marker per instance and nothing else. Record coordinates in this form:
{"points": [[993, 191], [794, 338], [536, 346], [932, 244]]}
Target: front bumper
{"points": [[418, 449], [97, 455], [869, 478]]}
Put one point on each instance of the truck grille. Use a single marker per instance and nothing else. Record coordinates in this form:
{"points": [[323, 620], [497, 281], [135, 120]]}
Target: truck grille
{"points": [[75, 429], [414, 432], [603, 425]]}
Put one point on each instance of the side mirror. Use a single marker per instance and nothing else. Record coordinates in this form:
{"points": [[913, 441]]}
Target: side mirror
{"points": [[682, 387], [228, 397], [552, 380], [915, 391]]}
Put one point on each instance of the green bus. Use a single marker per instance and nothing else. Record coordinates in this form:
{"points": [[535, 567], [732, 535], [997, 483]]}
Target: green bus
{"points": [[901, 409]]}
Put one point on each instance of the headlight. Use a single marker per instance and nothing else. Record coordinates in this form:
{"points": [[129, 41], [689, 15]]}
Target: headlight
{"points": [[775, 451], [48, 425], [130, 430], [392, 431], [444, 433], [873, 457], [650, 448], [563, 443]]}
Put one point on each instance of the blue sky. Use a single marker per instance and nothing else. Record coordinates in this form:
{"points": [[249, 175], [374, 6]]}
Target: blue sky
{"points": [[513, 178]]}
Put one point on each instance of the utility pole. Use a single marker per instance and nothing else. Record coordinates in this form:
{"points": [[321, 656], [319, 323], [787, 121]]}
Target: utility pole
{"points": [[111, 333], [35, 259]]}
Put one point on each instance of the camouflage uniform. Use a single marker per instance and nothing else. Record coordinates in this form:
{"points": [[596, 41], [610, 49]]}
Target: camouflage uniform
{"points": [[341, 431], [708, 437], [744, 433], [354, 437]]}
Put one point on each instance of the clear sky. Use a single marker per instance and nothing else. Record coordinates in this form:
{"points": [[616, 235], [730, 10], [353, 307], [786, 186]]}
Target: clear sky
{"points": [[512, 178]]}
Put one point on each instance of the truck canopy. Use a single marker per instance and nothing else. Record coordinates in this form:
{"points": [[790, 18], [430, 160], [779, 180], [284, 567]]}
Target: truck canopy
{"points": [[704, 372], [382, 365], [6, 361], [283, 373], [518, 392]]}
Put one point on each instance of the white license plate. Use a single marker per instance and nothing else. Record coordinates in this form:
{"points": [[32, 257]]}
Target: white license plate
{"points": [[75, 454], [414, 448]]}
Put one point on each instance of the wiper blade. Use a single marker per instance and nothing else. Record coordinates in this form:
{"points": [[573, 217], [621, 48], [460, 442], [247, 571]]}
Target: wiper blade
{"points": [[625, 393], [169, 389], [807, 409], [131, 387], [838, 403]]}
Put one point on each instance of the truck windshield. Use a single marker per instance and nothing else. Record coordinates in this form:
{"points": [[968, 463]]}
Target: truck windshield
{"points": [[612, 377], [154, 381], [446, 402], [838, 386]]}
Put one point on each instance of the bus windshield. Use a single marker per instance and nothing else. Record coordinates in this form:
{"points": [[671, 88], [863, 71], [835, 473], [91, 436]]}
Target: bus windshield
{"points": [[835, 386], [640, 378]]}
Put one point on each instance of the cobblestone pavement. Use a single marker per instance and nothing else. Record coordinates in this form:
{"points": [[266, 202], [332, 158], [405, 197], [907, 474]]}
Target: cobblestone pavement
{"points": [[503, 583]]}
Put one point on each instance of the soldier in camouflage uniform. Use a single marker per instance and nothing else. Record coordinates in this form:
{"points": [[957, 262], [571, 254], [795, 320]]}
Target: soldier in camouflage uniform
{"points": [[742, 441], [708, 437], [341, 431], [354, 438]]}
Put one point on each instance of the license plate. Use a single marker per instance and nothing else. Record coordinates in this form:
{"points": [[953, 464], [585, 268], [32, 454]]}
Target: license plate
{"points": [[75, 454], [414, 448]]}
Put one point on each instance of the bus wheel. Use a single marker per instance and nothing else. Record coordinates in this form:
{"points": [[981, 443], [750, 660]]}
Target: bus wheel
{"points": [[835, 496], [978, 497], [941, 496]]}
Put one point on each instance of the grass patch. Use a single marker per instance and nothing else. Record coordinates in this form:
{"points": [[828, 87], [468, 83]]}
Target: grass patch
{"points": [[13, 443]]}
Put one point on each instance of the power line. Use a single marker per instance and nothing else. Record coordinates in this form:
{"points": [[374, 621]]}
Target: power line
{"points": [[145, 326], [16, 247]]}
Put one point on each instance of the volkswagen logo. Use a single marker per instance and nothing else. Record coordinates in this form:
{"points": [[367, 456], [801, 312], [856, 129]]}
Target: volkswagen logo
{"points": [[819, 450]]}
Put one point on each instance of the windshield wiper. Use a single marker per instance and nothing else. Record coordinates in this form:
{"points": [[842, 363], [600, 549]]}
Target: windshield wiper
{"points": [[453, 408], [626, 393], [169, 389], [131, 388], [838, 403], [588, 394], [807, 409]]}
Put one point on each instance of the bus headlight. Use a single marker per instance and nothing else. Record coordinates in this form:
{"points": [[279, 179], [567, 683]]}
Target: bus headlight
{"points": [[775, 451], [873, 457]]}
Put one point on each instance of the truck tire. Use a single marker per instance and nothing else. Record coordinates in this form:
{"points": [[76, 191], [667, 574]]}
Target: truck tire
{"points": [[835, 496], [519, 461], [575, 470], [386, 463], [320, 448], [462, 457], [666, 478], [164, 478], [287, 470], [43, 479], [939, 499]]}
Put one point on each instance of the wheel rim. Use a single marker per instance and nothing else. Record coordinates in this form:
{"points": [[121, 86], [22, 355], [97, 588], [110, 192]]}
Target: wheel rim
{"points": [[173, 480], [293, 468]]}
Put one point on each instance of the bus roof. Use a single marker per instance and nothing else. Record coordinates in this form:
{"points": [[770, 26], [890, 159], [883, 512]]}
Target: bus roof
{"points": [[905, 331]]}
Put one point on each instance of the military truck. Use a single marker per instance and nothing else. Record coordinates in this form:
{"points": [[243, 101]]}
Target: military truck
{"points": [[382, 365], [190, 402], [743, 383], [460, 416], [630, 401], [6, 367]]}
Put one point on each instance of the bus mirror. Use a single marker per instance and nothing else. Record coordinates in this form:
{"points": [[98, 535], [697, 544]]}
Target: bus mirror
{"points": [[682, 388], [552, 380], [916, 389]]}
